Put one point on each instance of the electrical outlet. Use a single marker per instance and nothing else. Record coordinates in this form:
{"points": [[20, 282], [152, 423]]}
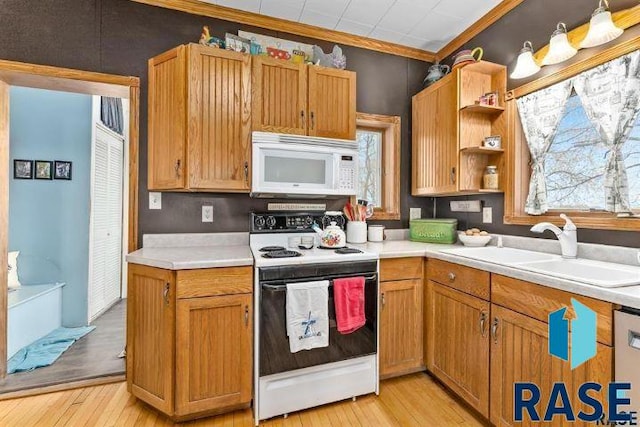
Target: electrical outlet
{"points": [[155, 200], [207, 214], [415, 213], [487, 215]]}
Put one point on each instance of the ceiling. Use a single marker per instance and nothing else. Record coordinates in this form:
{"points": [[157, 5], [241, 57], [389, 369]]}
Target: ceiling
{"points": [[423, 24]]}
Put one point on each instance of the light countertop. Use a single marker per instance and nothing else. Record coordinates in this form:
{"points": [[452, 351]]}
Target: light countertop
{"points": [[190, 258]]}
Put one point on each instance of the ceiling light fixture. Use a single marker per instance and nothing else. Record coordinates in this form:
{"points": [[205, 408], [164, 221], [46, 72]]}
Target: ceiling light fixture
{"points": [[559, 47], [601, 28], [526, 65]]}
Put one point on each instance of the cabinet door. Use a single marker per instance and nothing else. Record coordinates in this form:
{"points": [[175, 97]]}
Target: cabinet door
{"points": [[401, 335], [520, 353], [458, 343], [279, 96], [151, 336], [167, 120], [332, 103], [435, 139], [219, 119], [214, 353]]}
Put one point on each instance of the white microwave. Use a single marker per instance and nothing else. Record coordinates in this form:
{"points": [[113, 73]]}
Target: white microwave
{"points": [[303, 167]]}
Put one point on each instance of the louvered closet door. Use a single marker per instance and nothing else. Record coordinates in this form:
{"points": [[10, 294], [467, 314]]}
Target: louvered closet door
{"points": [[106, 222]]}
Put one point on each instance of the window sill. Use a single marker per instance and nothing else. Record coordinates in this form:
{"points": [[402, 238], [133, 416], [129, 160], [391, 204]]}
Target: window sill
{"points": [[592, 221]]}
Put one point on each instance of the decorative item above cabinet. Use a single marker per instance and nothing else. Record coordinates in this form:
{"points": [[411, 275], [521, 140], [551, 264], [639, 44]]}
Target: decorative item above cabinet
{"points": [[200, 120]]}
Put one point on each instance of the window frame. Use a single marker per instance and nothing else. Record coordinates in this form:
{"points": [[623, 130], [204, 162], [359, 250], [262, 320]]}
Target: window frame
{"points": [[390, 179], [518, 157]]}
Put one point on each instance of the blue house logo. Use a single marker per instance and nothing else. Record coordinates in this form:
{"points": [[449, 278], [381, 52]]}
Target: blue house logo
{"points": [[583, 334]]}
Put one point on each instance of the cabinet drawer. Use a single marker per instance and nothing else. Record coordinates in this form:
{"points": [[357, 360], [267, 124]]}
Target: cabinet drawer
{"points": [[538, 301], [401, 269], [469, 280], [214, 281]]}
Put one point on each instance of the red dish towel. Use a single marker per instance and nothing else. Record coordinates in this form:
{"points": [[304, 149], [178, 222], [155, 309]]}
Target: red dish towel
{"points": [[348, 295]]}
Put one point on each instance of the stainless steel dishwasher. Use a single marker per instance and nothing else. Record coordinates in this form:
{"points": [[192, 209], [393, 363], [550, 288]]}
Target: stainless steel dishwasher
{"points": [[627, 350]]}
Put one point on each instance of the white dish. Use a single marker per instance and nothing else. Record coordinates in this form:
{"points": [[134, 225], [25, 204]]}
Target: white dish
{"points": [[474, 241]]}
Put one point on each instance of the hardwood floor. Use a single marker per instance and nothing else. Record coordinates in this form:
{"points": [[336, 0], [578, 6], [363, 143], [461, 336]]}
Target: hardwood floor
{"points": [[413, 400], [94, 355]]}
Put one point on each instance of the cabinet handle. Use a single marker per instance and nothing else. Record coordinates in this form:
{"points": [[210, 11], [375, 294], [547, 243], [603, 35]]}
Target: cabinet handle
{"points": [[246, 172], [483, 324], [246, 315], [313, 121], [494, 330], [453, 175], [452, 276], [177, 167], [302, 117], [165, 294], [384, 301]]}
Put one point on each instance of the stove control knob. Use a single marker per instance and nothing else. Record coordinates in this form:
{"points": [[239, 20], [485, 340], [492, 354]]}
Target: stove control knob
{"points": [[259, 221], [271, 221], [308, 221]]}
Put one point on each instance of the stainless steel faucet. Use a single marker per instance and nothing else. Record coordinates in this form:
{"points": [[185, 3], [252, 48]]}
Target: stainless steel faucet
{"points": [[568, 236]]}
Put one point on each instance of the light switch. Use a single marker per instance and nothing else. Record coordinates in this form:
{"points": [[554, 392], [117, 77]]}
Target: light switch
{"points": [[155, 200], [207, 214], [415, 213], [487, 215]]}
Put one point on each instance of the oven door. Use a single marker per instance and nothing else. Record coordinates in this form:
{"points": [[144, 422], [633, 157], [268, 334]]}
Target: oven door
{"points": [[275, 355]]}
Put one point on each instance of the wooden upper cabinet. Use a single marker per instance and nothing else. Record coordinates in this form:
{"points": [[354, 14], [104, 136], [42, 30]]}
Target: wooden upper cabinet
{"points": [[279, 96], [213, 355], [332, 103], [520, 353], [200, 120], [219, 119], [457, 339], [167, 120], [151, 335], [435, 139], [401, 335]]}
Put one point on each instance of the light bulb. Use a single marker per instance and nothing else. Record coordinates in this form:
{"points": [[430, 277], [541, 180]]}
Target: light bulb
{"points": [[559, 47], [601, 27], [526, 64]]}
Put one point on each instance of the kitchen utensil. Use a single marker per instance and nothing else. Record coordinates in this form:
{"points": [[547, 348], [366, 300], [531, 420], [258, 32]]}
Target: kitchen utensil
{"points": [[435, 73], [376, 233], [331, 237], [357, 232], [466, 57]]}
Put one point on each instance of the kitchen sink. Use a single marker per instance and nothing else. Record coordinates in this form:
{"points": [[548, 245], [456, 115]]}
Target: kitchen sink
{"points": [[506, 256], [598, 273]]}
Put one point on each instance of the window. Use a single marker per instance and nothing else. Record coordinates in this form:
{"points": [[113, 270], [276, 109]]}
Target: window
{"points": [[574, 167], [378, 140]]}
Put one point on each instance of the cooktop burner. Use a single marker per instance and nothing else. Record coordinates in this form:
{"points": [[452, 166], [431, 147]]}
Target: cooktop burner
{"points": [[345, 251], [281, 254], [272, 249]]}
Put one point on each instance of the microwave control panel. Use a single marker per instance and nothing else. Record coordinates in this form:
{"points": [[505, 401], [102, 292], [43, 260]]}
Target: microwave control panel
{"points": [[347, 179]]}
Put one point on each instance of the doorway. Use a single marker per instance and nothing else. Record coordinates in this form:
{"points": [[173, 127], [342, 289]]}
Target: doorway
{"points": [[101, 310]]}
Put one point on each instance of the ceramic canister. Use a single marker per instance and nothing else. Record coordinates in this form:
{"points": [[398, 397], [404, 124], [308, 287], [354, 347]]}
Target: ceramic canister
{"points": [[376, 233]]}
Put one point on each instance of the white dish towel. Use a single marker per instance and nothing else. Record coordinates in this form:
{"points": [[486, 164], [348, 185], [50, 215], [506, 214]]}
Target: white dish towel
{"points": [[308, 315]]}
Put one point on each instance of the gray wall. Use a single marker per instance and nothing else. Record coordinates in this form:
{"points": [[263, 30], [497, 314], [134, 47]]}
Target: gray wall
{"points": [[535, 21], [49, 220]]}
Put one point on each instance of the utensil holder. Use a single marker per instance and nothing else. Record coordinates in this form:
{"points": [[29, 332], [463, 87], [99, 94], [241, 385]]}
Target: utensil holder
{"points": [[356, 232]]}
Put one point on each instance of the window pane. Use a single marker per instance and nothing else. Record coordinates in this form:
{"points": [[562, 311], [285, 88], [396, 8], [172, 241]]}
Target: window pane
{"points": [[370, 179], [631, 152], [575, 165]]}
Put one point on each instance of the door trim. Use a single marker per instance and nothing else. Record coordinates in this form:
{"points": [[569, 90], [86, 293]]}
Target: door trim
{"points": [[65, 80]]}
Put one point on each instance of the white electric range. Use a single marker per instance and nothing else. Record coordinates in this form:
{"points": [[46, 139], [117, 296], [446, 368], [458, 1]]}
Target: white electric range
{"points": [[348, 367]]}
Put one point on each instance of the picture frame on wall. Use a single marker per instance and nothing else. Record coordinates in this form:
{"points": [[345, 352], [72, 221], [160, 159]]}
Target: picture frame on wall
{"points": [[22, 169], [62, 170], [43, 169]]}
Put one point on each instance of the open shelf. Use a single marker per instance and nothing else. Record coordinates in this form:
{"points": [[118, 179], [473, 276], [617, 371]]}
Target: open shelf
{"points": [[481, 150], [483, 109]]}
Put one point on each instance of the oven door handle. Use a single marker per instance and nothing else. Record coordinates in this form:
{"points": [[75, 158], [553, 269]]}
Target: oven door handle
{"points": [[280, 288]]}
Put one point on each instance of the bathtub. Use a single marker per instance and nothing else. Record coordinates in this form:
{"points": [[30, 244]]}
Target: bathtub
{"points": [[34, 311]]}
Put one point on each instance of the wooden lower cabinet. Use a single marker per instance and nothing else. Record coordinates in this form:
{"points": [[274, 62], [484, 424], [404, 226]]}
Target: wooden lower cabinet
{"points": [[189, 357], [401, 337], [519, 353], [458, 343]]}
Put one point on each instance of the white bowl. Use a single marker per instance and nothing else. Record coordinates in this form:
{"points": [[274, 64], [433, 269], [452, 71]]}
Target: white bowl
{"points": [[474, 241]]}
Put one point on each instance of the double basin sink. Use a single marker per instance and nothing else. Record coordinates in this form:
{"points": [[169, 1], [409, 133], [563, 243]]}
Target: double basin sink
{"points": [[597, 273]]}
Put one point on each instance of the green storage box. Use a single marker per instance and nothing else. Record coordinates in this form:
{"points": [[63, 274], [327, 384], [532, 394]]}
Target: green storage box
{"points": [[433, 230]]}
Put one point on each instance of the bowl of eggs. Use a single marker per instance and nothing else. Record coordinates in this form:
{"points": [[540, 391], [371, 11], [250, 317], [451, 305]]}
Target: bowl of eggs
{"points": [[474, 237]]}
